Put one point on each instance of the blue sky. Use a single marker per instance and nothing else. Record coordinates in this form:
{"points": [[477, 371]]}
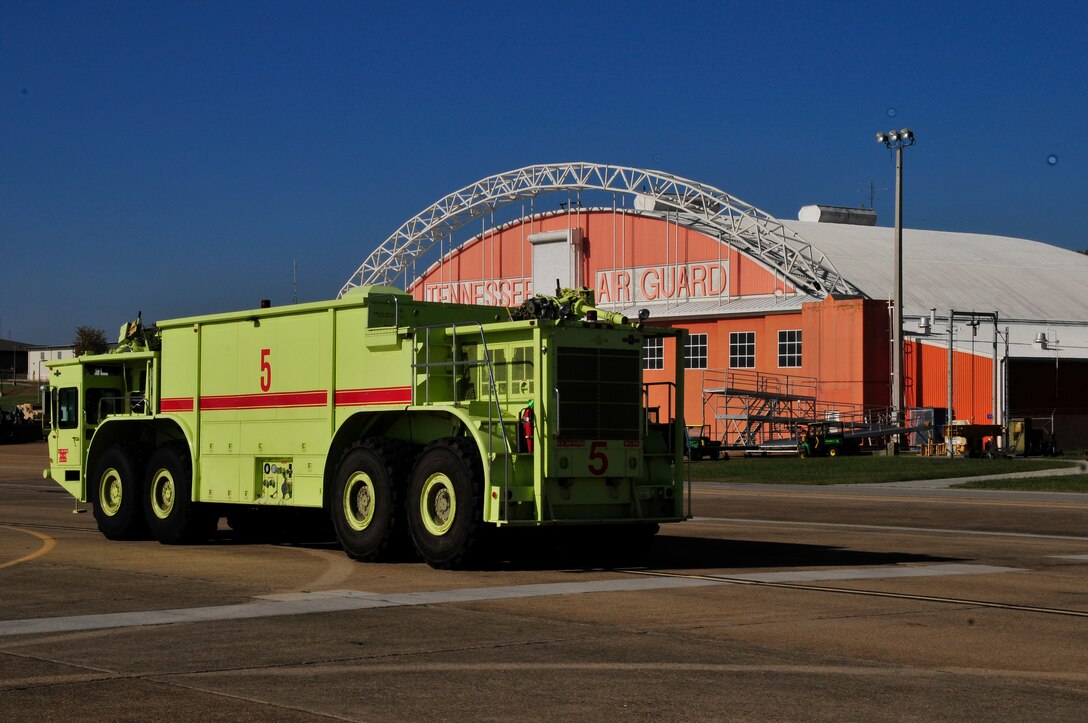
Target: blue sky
{"points": [[179, 157]]}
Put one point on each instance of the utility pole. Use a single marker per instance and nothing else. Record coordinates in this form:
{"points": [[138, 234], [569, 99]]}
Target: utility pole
{"points": [[897, 140]]}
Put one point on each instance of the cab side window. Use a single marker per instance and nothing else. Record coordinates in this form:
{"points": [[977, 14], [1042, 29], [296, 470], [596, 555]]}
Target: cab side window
{"points": [[101, 402], [68, 408]]}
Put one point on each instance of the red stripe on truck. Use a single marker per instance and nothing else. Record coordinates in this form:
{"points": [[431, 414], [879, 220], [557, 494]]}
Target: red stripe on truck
{"points": [[286, 400], [377, 395], [177, 404], [273, 400]]}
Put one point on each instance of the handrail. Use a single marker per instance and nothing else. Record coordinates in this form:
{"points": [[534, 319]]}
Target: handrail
{"points": [[558, 406], [120, 405], [396, 305], [493, 393]]}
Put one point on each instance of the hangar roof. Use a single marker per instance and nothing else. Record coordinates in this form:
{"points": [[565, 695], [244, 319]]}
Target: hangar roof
{"points": [[1034, 287], [1020, 279], [1026, 281]]}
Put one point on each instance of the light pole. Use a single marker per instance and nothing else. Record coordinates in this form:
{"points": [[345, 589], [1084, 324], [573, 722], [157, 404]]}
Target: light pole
{"points": [[897, 140]]}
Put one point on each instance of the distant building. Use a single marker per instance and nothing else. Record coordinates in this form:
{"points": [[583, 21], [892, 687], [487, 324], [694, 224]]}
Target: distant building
{"points": [[13, 360], [37, 356]]}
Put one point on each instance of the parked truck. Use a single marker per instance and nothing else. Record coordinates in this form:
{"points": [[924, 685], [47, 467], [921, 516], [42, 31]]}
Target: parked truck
{"points": [[408, 423]]}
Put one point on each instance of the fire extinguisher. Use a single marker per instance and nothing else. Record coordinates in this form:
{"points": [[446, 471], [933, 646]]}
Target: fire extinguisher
{"points": [[525, 429]]}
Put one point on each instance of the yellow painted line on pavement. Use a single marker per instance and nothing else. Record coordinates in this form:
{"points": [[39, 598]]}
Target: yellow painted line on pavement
{"points": [[48, 543]]}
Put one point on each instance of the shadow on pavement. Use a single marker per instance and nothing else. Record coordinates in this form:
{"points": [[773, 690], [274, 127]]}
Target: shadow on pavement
{"points": [[573, 549]]}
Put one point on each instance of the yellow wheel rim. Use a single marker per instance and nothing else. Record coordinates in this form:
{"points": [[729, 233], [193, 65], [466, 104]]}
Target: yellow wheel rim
{"points": [[163, 490], [110, 492], [359, 501], [438, 504]]}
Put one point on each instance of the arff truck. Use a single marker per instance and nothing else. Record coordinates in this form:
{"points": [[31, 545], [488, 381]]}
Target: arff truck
{"points": [[409, 423]]}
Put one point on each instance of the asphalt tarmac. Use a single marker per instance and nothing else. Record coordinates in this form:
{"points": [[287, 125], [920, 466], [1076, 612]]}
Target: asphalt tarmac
{"points": [[799, 603]]}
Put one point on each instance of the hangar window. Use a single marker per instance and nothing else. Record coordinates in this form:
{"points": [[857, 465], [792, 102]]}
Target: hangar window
{"points": [[653, 354], [789, 348], [742, 349], [695, 352]]}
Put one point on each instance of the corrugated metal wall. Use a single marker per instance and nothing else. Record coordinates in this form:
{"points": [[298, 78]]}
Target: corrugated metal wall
{"points": [[926, 381]]}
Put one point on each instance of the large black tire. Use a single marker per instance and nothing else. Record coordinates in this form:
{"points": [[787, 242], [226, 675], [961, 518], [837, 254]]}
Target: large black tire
{"points": [[172, 516], [115, 492], [368, 500], [444, 502]]}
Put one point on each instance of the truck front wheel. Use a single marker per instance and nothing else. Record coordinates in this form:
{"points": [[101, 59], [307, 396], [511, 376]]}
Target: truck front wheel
{"points": [[443, 501], [116, 497], [172, 515], [367, 506]]}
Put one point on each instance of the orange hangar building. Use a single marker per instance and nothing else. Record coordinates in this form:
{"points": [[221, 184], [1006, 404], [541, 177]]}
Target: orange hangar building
{"points": [[788, 321]]}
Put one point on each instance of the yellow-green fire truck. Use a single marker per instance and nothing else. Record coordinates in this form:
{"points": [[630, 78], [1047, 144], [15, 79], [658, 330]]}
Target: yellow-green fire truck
{"points": [[407, 422]]}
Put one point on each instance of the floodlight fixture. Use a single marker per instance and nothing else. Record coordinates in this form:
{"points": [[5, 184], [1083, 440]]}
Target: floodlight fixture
{"points": [[896, 138]]}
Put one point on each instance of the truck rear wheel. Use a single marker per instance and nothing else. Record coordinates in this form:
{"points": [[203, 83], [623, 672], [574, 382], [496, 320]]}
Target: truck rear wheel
{"points": [[367, 502], [116, 497], [444, 501], [172, 515]]}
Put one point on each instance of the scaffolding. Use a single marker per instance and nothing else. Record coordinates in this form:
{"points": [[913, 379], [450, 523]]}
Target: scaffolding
{"points": [[755, 410]]}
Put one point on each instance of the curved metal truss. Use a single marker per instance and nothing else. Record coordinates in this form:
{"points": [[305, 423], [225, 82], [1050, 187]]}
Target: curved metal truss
{"points": [[705, 208]]}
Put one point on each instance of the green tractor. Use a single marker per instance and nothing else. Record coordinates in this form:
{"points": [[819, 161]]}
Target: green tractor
{"points": [[700, 445]]}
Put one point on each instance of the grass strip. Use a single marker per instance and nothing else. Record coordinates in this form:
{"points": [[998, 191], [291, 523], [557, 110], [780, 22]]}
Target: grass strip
{"points": [[859, 470], [1071, 483]]}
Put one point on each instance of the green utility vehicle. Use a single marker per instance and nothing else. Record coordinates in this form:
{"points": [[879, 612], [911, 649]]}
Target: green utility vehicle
{"points": [[409, 423], [826, 439], [700, 445]]}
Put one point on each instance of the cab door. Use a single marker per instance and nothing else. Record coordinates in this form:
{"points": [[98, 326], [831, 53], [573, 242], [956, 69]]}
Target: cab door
{"points": [[66, 435]]}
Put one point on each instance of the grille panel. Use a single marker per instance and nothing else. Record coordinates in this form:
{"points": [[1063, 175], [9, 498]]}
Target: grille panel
{"points": [[599, 393]]}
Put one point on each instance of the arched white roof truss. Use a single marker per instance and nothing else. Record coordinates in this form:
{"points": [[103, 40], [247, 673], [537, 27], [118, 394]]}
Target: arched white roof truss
{"points": [[697, 205]]}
